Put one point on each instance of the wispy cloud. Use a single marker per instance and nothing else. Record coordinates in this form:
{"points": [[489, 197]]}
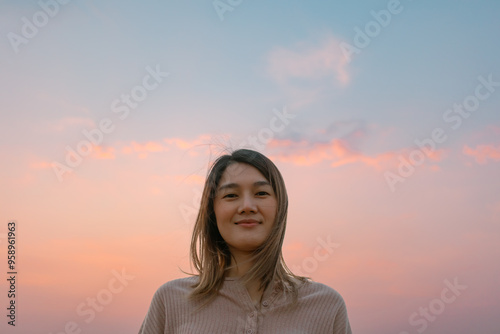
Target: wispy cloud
{"points": [[40, 165], [483, 153], [143, 149], [309, 62], [180, 143], [72, 123], [105, 153], [337, 152], [341, 151], [167, 144]]}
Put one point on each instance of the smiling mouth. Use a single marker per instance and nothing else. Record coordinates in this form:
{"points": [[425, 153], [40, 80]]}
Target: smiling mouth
{"points": [[247, 222]]}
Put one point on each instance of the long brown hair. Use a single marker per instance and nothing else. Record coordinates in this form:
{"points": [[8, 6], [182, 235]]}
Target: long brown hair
{"points": [[210, 254]]}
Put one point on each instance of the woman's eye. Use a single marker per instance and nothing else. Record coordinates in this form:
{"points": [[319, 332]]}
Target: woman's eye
{"points": [[262, 193], [229, 196]]}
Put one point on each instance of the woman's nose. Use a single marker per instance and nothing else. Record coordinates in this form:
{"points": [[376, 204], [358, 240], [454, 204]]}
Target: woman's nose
{"points": [[248, 205]]}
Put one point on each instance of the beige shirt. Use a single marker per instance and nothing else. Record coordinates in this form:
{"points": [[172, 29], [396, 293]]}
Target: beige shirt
{"points": [[320, 309]]}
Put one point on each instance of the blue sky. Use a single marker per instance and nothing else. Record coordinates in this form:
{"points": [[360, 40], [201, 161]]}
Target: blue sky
{"points": [[426, 58]]}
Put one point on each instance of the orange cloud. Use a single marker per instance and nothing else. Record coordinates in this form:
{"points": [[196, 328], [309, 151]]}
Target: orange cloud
{"points": [[309, 62], [188, 144], [337, 152], [436, 155], [144, 149], [40, 165], [101, 153], [67, 122], [483, 152], [166, 144]]}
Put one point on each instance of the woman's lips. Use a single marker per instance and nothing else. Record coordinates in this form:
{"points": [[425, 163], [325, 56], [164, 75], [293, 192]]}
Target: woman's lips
{"points": [[247, 222]]}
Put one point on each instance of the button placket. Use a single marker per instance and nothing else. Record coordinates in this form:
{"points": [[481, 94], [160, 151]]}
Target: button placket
{"points": [[251, 323]]}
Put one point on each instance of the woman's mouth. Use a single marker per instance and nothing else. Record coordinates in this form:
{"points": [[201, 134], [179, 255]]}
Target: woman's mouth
{"points": [[247, 222]]}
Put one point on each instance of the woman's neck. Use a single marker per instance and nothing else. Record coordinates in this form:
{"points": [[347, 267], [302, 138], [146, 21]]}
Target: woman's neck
{"points": [[241, 263]]}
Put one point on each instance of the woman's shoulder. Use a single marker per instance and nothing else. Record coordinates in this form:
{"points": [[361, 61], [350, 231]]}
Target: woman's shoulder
{"points": [[313, 289], [177, 286]]}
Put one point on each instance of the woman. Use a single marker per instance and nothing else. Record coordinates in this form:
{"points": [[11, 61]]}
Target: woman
{"points": [[243, 284]]}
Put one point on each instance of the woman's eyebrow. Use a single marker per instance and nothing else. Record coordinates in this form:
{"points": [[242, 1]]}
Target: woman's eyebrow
{"points": [[228, 186], [235, 185], [261, 183]]}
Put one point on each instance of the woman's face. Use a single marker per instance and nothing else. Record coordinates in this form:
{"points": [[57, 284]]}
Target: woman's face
{"points": [[245, 207]]}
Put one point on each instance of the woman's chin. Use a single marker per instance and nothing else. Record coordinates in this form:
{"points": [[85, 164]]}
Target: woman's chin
{"points": [[246, 248]]}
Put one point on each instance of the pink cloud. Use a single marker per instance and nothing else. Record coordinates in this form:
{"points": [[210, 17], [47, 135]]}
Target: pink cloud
{"points": [[436, 155], [62, 124], [183, 144], [144, 149], [309, 62], [194, 147], [483, 152], [338, 152], [103, 153], [40, 165], [166, 144]]}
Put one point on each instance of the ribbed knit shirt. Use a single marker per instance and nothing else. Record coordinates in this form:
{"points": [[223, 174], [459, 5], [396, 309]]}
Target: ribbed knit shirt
{"points": [[319, 310]]}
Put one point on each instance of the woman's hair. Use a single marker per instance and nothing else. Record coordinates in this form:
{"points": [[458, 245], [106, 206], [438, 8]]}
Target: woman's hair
{"points": [[210, 254]]}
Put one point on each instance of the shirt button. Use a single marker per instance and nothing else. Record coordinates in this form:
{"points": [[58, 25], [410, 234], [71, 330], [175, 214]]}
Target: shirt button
{"points": [[265, 304], [249, 331]]}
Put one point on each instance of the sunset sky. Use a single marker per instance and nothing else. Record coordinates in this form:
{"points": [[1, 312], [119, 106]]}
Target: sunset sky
{"points": [[383, 117]]}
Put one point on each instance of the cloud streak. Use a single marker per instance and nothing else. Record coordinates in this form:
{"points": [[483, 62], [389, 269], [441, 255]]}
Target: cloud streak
{"points": [[65, 123], [337, 152], [309, 62], [483, 153]]}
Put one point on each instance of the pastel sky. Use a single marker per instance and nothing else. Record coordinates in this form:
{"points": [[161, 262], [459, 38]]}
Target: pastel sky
{"points": [[383, 117]]}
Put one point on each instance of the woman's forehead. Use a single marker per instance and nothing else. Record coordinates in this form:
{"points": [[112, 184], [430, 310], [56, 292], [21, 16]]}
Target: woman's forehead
{"points": [[241, 172]]}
